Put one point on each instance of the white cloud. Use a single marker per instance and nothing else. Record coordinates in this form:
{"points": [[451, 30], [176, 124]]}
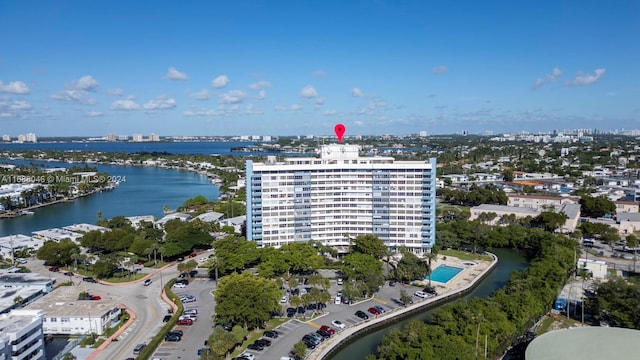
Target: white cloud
{"points": [[260, 85], [587, 79], [175, 74], [440, 69], [126, 104], [204, 112], [290, 107], [251, 110], [319, 73], [555, 74], [160, 104], [262, 95], [358, 123], [75, 96], [308, 92], [19, 105], [86, 83], [15, 87], [94, 113], [203, 94], [220, 82], [320, 101], [356, 92], [6, 115], [330, 112], [233, 97], [115, 92]]}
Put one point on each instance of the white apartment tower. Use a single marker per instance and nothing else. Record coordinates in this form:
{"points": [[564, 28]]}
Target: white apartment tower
{"points": [[21, 335], [31, 137], [340, 195]]}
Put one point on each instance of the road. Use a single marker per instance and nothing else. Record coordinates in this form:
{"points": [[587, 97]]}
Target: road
{"points": [[145, 301]]}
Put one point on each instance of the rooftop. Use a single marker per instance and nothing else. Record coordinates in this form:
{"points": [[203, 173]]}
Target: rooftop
{"points": [[8, 278], [85, 228], [63, 302], [17, 320]]}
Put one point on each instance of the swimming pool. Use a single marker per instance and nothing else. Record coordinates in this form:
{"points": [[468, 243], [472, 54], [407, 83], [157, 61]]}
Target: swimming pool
{"points": [[444, 273]]}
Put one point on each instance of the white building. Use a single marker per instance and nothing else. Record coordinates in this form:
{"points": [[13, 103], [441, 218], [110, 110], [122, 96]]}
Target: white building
{"points": [[12, 243], [31, 137], [137, 138], [27, 281], [137, 220], [340, 195], [64, 314], [6, 138], [56, 234], [21, 335]]}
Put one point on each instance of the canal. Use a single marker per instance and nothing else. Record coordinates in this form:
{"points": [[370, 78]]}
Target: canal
{"points": [[509, 261]]}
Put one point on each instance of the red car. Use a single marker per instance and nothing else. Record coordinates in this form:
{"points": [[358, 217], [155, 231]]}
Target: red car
{"points": [[96, 297], [327, 329], [54, 269], [374, 311], [193, 255], [185, 322]]}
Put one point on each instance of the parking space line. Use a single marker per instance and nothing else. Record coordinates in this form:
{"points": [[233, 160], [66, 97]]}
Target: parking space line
{"points": [[313, 324], [380, 301]]}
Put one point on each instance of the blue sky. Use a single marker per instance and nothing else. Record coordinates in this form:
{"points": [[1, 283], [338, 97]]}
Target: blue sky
{"points": [[299, 67]]}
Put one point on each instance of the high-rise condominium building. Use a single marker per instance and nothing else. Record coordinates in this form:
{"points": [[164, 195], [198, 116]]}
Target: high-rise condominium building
{"points": [[340, 195], [31, 137]]}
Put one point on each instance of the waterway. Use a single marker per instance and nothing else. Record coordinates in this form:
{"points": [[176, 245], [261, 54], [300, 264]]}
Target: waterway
{"points": [[508, 262], [144, 191]]}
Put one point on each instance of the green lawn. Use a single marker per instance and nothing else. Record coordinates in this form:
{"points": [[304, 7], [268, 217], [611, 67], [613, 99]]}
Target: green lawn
{"points": [[463, 255]]}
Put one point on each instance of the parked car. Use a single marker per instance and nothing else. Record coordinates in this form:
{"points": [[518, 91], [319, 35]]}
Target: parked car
{"points": [[374, 311], [362, 315], [54, 269], [95, 297], [338, 324], [380, 309], [284, 299], [271, 334], [337, 300], [166, 318], [392, 283], [185, 322], [21, 260], [191, 311], [188, 300], [323, 333], [340, 281], [421, 294], [430, 291], [89, 279], [177, 332], [255, 347], [179, 285], [172, 337], [310, 343], [68, 273], [247, 355], [327, 329], [263, 342], [147, 282]]}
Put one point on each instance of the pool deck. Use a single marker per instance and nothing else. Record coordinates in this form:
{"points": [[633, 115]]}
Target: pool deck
{"points": [[464, 281]]}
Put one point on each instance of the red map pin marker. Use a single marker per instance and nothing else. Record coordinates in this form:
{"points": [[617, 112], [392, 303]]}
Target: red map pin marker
{"points": [[339, 129]]}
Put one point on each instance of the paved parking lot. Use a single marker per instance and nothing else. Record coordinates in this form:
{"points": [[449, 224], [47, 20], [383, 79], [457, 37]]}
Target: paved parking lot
{"points": [[293, 331], [196, 334]]}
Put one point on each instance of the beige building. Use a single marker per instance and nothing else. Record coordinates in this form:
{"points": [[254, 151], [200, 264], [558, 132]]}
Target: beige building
{"points": [[538, 201], [626, 207]]}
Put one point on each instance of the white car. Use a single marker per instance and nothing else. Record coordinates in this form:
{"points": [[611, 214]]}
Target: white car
{"points": [[247, 355], [284, 299], [338, 324], [338, 300], [179, 285], [421, 294], [21, 260]]}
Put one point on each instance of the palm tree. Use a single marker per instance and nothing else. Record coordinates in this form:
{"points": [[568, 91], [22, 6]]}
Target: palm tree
{"points": [[430, 256], [295, 301], [214, 263]]}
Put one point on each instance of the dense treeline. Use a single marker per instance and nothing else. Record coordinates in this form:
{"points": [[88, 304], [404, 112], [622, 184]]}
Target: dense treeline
{"points": [[454, 329], [617, 302], [488, 194]]}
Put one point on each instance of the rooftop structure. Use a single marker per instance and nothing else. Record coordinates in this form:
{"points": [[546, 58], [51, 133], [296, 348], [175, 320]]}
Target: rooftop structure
{"points": [[136, 220], [340, 195], [26, 280], [8, 296], [210, 216], [56, 235], [85, 228]]}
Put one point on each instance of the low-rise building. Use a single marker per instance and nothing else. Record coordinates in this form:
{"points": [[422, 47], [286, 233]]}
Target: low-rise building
{"points": [[137, 220], [209, 216], [176, 215], [12, 243], [85, 228], [26, 280], [56, 234], [626, 207], [64, 314], [540, 201], [21, 335]]}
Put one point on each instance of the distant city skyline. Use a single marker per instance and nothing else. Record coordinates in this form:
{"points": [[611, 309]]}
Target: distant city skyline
{"points": [[289, 68]]}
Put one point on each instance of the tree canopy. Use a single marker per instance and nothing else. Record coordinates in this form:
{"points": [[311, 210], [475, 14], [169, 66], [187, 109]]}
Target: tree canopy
{"points": [[246, 299], [596, 206]]}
